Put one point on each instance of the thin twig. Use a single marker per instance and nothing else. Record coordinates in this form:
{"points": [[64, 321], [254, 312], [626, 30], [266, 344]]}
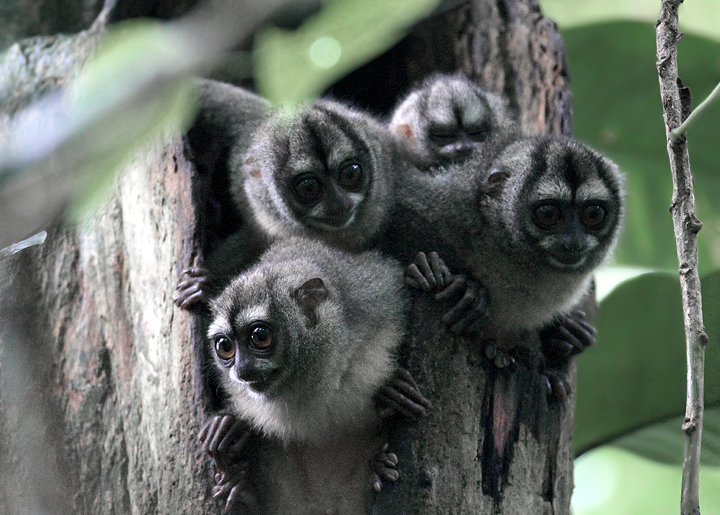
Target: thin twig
{"points": [[695, 114], [676, 106]]}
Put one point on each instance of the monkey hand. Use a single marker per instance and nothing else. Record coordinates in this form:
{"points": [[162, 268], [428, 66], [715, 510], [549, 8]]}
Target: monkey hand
{"points": [[384, 468], [193, 288], [400, 394], [470, 308], [428, 272], [223, 438], [469, 301], [568, 336]]}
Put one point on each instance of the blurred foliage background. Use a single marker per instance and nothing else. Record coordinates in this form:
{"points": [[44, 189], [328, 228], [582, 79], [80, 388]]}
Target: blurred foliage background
{"points": [[631, 384]]}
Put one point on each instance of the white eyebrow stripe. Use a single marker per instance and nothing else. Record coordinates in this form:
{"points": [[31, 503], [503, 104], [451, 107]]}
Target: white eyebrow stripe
{"points": [[250, 314], [553, 190], [593, 189]]}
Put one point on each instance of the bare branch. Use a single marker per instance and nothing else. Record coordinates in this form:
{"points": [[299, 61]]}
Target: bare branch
{"points": [[676, 106]]}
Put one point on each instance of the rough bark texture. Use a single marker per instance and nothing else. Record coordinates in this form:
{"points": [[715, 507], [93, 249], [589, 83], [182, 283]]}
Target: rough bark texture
{"points": [[102, 385]]}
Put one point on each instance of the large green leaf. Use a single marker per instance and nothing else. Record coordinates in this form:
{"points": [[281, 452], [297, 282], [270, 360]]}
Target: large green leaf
{"points": [[699, 17], [635, 374], [664, 443], [618, 111]]}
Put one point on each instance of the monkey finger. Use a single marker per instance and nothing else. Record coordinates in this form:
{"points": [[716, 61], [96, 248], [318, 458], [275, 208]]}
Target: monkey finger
{"points": [[234, 440], [232, 497], [220, 431], [206, 428], [440, 271], [376, 482], [570, 338], [193, 281], [399, 403], [456, 288], [423, 268], [415, 278], [194, 271], [554, 348], [405, 387]]}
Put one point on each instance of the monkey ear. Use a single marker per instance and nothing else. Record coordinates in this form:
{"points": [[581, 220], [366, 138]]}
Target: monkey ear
{"points": [[496, 181], [308, 297], [403, 130]]}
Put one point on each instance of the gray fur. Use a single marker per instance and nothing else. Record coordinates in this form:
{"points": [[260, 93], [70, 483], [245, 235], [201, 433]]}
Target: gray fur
{"points": [[318, 141], [327, 369], [445, 119], [478, 216]]}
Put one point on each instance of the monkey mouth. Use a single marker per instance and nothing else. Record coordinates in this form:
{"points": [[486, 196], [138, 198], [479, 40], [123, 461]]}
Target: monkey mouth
{"points": [[570, 260], [334, 223]]}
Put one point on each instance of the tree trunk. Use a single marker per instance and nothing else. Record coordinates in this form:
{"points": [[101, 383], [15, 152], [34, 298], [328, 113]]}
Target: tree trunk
{"points": [[102, 387]]}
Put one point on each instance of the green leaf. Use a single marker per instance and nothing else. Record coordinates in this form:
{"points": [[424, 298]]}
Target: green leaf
{"points": [[618, 112], [295, 66], [635, 374], [699, 17], [664, 443]]}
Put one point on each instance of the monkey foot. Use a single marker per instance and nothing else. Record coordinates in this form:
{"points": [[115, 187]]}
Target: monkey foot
{"points": [[231, 488], [558, 384], [469, 301], [402, 395], [569, 336], [384, 468], [498, 357], [192, 290]]}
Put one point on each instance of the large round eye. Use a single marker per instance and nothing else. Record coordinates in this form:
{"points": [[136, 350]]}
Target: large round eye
{"points": [[593, 215], [224, 348], [351, 176], [547, 216], [308, 189], [261, 337]]}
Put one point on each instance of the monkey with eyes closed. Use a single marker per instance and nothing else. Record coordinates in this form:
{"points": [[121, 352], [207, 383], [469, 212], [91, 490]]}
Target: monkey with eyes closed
{"points": [[303, 344], [530, 224], [325, 172], [446, 119]]}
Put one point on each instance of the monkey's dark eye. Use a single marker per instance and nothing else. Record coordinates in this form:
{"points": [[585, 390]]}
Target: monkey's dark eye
{"points": [[592, 216], [351, 176], [261, 337], [478, 133], [547, 216], [308, 189], [443, 135], [224, 348]]}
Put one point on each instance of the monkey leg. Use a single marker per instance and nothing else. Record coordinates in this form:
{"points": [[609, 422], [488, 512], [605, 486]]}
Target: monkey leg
{"points": [[469, 301], [194, 289], [384, 468], [400, 394]]}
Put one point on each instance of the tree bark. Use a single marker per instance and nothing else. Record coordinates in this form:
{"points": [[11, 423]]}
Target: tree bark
{"points": [[102, 385]]}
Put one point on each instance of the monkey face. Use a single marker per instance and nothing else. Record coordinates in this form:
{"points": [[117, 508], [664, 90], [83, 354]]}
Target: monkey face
{"points": [[323, 171], [248, 354], [572, 204]]}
